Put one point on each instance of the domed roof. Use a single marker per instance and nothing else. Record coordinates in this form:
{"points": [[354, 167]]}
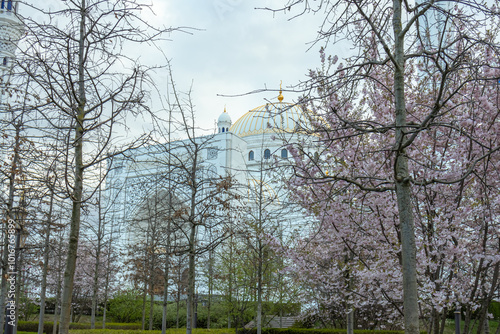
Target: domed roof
{"points": [[270, 118], [224, 118]]}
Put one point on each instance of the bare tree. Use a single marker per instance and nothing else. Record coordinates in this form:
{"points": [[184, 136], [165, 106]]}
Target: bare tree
{"points": [[80, 70]]}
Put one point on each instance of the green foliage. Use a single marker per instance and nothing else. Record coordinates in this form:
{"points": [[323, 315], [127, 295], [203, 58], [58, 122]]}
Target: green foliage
{"points": [[218, 316], [126, 306], [32, 326], [169, 331], [494, 309]]}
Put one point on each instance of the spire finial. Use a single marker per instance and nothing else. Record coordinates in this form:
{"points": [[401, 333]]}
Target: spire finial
{"points": [[280, 97], [224, 108]]}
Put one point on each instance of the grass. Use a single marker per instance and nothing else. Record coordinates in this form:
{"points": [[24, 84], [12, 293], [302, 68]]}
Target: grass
{"points": [[450, 326], [169, 331]]}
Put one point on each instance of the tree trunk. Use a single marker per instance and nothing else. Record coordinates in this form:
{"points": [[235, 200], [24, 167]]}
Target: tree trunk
{"points": [[151, 303], [191, 280], [259, 289], [165, 292], [106, 289], [45, 263], [350, 322], [10, 204], [97, 263], [58, 294], [483, 324], [74, 232], [210, 283], [144, 294], [403, 190], [178, 304]]}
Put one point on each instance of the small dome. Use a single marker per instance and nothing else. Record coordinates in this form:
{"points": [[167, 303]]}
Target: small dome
{"points": [[270, 118], [224, 122], [224, 118]]}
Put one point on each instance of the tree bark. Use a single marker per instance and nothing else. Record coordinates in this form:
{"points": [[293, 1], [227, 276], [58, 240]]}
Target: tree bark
{"points": [[191, 281], [74, 232], [45, 263], [10, 204], [95, 286], [402, 178], [165, 285]]}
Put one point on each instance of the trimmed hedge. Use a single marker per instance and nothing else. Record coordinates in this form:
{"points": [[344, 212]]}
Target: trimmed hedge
{"points": [[227, 331], [32, 326], [169, 331]]}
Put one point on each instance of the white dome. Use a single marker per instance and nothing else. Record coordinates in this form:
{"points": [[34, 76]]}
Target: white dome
{"points": [[224, 118], [224, 122], [270, 118]]}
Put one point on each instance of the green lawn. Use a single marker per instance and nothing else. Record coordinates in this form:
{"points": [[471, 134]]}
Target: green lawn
{"points": [[450, 327], [169, 331]]}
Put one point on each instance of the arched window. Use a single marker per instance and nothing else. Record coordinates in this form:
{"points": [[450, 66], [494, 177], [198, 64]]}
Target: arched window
{"points": [[267, 154], [284, 153], [5, 61], [223, 129], [250, 156]]}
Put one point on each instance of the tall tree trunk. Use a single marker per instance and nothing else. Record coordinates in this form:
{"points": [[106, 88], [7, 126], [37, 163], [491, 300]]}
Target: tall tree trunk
{"points": [[167, 267], [10, 204], [259, 288], [151, 300], [192, 246], [210, 283], [483, 325], [403, 190], [106, 285], [144, 294], [165, 296], [74, 232], [58, 294], [350, 322], [45, 263], [95, 286], [178, 306], [191, 280]]}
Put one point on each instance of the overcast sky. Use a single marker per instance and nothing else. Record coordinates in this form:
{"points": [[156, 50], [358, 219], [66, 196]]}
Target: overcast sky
{"points": [[233, 49], [237, 50]]}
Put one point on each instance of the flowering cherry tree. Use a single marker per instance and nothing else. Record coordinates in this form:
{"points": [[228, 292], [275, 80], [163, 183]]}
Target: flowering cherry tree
{"points": [[406, 185]]}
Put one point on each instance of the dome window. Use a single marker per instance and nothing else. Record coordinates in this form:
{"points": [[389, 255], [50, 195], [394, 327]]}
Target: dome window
{"points": [[251, 156], [267, 154], [5, 61], [284, 153]]}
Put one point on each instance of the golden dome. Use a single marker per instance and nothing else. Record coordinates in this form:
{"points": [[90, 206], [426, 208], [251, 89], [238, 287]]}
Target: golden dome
{"points": [[270, 118]]}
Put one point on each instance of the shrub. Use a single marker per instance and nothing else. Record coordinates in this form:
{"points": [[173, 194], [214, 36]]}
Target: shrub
{"points": [[32, 326], [126, 306], [494, 309], [169, 331]]}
